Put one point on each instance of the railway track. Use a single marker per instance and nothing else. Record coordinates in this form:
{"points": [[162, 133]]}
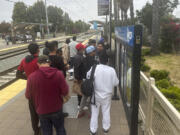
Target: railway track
{"points": [[8, 76]]}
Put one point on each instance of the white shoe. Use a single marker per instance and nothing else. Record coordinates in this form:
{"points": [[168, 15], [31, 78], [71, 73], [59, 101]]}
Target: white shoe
{"points": [[71, 78], [78, 106], [85, 108]]}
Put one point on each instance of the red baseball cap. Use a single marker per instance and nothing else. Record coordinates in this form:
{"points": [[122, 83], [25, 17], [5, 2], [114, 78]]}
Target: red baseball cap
{"points": [[80, 46]]}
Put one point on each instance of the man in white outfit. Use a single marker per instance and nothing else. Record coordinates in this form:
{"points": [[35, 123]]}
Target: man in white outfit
{"points": [[73, 52], [105, 79]]}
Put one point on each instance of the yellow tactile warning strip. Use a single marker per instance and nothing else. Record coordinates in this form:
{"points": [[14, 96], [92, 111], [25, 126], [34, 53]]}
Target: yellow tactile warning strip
{"points": [[11, 91], [15, 88], [24, 45]]}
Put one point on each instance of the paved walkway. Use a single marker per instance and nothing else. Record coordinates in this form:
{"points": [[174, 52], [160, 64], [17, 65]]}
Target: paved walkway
{"points": [[15, 119]]}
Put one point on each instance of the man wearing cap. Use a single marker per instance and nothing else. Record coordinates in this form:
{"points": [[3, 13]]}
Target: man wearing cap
{"points": [[79, 72], [46, 87], [89, 61]]}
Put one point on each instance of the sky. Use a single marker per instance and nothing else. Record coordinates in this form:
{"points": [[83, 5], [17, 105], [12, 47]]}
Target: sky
{"points": [[77, 9]]}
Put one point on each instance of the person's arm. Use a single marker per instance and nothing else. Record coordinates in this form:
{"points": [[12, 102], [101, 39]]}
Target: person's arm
{"points": [[115, 78], [63, 84], [20, 74], [62, 66], [28, 89]]}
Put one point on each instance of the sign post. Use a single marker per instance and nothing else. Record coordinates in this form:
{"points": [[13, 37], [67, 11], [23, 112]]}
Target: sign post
{"points": [[103, 7], [129, 43]]}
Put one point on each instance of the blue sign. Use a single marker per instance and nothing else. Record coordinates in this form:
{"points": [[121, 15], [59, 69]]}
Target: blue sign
{"points": [[95, 25], [126, 34]]}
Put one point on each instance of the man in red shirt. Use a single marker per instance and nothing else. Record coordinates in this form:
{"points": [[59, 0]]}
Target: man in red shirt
{"points": [[46, 87], [27, 66]]}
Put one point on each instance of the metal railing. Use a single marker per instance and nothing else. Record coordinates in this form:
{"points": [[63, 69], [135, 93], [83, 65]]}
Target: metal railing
{"points": [[156, 114]]}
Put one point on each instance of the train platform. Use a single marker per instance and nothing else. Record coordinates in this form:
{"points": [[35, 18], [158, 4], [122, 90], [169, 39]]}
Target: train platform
{"points": [[15, 116]]}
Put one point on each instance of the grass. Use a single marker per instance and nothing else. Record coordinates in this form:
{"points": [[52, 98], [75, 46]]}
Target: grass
{"points": [[169, 62]]}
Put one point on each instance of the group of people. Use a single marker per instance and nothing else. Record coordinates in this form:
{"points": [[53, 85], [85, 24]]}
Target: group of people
{"points": [[47, 87]]}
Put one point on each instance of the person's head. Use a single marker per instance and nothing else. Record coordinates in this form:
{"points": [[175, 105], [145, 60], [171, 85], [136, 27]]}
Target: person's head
{"points": [[103, 58], [80, 47], [53, 46], [43, 61], [74, 38], [68, 41], [100, 47], [59, 52], [91, 50], [46, 44], [55, 43], [92, 42], [33, 48]]}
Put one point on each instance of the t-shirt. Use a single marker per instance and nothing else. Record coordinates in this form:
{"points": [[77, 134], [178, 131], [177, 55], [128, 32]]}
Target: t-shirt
{"points": [[72, 47], [105, 79]]}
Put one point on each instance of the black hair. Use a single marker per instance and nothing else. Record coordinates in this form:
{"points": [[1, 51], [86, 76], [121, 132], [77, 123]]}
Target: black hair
{"points": [[92, 41], [33, 48], [55, 43], [47, 44], [68, 41], [74, 38], [103, 57], [52, 46]]}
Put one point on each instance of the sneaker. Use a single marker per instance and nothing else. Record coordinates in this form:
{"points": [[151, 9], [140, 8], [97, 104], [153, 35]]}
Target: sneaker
{"points": [[65, 114], [71, 78], [78, 107], [85, 108], [91, 133], [105, 131]]}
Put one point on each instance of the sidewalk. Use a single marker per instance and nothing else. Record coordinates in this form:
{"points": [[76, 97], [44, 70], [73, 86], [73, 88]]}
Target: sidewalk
{"points": [[15, 119]]}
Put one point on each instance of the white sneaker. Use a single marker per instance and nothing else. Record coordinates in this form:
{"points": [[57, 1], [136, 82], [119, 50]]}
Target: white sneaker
{"points": [[71, 78], [85, 108], [78, 106]]}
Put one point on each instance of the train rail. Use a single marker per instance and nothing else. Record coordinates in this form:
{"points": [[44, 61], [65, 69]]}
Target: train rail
{"points": [[8, 76]]}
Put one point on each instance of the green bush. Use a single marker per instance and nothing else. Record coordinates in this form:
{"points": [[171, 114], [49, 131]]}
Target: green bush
{"points": [[145, 68], [159, 74], [173, 95], [146, 51], [163, 84]]}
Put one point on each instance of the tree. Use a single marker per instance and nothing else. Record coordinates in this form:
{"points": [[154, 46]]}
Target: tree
{"points": [[132, 11], [155, 28], [5, 27], [55, 16], [19, 12], [145, 16]]}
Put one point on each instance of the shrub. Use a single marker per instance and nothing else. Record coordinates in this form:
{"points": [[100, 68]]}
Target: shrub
{"points": [[163, 84], [173, 95], [146, 51], [145, 68], [159, 74]]}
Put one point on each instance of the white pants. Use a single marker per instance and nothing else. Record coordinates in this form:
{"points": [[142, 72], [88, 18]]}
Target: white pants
{"points": [[105, 105]]}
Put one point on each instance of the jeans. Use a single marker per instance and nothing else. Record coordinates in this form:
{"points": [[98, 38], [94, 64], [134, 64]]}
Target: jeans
{"points": [[34, 118], [54, 119]]}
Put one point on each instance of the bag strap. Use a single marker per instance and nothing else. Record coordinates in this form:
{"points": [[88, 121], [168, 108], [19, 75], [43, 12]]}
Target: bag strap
{"points": [[92, 72]]}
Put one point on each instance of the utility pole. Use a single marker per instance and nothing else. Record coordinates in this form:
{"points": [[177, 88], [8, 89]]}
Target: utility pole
{"points": [[47, 22], [110, 21]]}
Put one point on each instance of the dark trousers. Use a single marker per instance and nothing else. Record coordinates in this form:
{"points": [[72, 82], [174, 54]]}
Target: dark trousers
{"points": [[54, 119], [79, 99], [34, 118]]}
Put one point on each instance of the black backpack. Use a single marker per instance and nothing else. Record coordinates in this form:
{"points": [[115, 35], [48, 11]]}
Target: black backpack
{"points": [[87, 87]]}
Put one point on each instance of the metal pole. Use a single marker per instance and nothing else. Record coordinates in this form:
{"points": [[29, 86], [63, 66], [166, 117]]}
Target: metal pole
{"points": [[47, 22], [110, 22], [115, 96]]}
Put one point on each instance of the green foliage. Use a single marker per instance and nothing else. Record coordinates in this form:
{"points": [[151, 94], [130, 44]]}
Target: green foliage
{"points": [[145, 68], [61, 22], [173, 95], [19, 12], [5, 27], [170, 36], [159, 74], [145, 16], [146, 51], [163, 84]]}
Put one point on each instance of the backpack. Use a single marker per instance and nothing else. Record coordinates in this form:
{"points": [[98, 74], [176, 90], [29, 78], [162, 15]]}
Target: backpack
{"points": [[87, 87]]}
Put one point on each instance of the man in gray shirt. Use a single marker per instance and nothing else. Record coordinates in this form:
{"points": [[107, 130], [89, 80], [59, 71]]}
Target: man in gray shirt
{"points": [[73, 52]]}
